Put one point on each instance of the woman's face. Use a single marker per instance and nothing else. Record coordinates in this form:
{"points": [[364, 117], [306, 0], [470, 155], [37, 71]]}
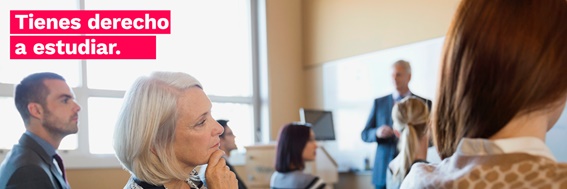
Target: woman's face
{"points": [[309, 152], [196, 132]]}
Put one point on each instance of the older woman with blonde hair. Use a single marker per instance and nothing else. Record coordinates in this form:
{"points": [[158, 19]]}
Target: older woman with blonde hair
{"points": [[410, 117], [502, 87], [165, 130]]}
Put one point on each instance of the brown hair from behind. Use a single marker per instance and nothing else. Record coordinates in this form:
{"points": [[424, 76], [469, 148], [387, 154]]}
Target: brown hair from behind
{"points": [[502, 58]]}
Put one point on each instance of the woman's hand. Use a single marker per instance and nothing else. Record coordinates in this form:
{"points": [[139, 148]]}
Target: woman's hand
{"points": [[218, 174]]}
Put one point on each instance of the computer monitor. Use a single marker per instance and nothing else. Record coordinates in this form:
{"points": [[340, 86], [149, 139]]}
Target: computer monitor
{"points": [[321, 122]]}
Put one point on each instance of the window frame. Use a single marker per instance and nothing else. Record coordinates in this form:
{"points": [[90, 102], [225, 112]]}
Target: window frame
{"points": [[81, 157]]}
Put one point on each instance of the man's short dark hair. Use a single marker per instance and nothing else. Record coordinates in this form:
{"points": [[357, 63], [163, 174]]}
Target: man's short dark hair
{"points": [[289, 151], [32, 89], [223, 122]]}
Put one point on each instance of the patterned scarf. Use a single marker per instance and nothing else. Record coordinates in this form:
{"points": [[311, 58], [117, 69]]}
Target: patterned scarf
{"points": [[194, 182]]}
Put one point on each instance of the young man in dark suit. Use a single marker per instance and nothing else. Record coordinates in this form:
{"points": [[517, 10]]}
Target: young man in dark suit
{"points": [[379, 125], [49, 111]]}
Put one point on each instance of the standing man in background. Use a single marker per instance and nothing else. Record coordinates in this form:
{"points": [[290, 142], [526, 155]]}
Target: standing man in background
{"points": [[227, 144], [379, 125], [49, 111]]}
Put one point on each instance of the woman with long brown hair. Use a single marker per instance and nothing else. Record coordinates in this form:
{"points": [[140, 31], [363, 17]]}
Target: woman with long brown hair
{"points": [[503, 85]]}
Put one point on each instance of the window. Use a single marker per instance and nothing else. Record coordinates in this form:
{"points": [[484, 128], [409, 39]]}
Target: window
{"points": [[103, 114], [240, 119], [12, 71], [11, 119], [211, 40]]}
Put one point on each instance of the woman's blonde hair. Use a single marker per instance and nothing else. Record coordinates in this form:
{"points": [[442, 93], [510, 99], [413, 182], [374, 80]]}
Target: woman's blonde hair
{"points": [[144, 132], [410, 117]]}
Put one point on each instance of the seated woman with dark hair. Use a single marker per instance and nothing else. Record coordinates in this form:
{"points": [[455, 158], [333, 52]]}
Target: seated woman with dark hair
{"points": [[296, 144]]}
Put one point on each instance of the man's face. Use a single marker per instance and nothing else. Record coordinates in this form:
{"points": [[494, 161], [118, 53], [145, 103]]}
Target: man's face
{"points": [[228, 141], [61, 110], [400, 76]]}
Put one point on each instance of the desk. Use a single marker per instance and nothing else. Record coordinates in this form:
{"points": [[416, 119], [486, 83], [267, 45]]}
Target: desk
{"points": [[260, 163], [355, 180]]}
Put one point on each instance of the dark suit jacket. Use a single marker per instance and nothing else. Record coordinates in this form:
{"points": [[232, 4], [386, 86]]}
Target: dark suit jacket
{"points": [[29, 166], [204, 179], [240, 183], [386, 150]]}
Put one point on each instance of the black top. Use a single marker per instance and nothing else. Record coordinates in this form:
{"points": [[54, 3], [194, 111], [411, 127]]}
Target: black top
{"points": [[240, 183], [193, 181], [146, 185], [295, 180]]}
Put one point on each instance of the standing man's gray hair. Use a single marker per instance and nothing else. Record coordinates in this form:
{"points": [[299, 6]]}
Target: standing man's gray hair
{"points": [[404, 64]]}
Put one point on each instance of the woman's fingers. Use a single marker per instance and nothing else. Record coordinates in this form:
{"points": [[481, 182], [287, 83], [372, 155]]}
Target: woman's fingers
{"points": [[216, 157], [218, 173]]}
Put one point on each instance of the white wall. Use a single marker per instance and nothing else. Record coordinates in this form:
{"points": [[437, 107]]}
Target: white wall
{"points": [[350, 85], [555, 138]]}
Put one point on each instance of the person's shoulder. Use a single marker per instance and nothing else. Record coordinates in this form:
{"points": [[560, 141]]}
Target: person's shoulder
{"points": [[561, 174], [27, 157], [22, 157], [562, 165], [306, 175], [27, 175], [276, 174], [138, 184], [30, 169], [535, 169], [383, 98], [294, 179], [417, 174], [275, 177], [421, 98], [419, 167], [556, 172], [316, 183], [296, 174], [313, 182]]}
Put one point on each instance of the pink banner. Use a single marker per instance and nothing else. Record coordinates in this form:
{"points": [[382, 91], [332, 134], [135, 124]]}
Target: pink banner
{"points": [[82, 47], [90, 22]]}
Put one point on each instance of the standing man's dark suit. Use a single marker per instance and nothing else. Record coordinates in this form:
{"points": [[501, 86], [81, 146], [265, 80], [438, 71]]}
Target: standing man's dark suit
{"points": [[29, 166], [386, 150]]}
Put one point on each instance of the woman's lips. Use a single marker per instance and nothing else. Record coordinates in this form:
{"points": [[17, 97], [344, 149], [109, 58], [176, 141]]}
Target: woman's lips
{"points": [[216, 145]]}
